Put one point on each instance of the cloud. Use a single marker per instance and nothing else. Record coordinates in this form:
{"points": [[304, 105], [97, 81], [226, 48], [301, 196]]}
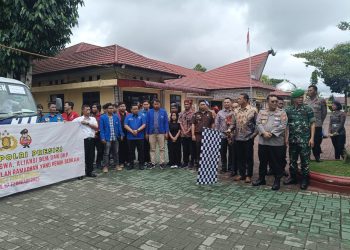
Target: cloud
{"points": [[213, 33]]}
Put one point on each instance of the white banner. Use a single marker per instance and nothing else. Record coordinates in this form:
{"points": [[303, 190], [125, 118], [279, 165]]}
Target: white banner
{"points": [[36, 155]]}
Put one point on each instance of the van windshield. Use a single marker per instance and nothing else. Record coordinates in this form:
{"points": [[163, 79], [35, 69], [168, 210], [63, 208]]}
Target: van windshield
{"points": [[15, 100]]}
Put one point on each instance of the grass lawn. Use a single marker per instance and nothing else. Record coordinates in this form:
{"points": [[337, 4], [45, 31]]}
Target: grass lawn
{"points": [[338, 168]]}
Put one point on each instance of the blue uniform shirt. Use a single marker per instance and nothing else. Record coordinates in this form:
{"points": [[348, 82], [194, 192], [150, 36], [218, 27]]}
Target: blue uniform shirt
{"points": [[135, 122], [50, 118]]}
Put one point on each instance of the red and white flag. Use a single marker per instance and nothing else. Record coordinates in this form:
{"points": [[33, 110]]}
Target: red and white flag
{"points": [[248, 42]]}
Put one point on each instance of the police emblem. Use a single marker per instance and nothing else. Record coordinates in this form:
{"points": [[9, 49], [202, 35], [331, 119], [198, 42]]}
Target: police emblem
{"points": [[8, 142]]}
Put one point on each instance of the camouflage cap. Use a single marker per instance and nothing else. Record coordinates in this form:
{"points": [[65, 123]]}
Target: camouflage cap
{"points": [[297, 93]]}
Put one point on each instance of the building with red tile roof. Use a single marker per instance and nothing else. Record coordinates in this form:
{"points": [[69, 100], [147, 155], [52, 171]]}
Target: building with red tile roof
{"points": [[87, 73]]}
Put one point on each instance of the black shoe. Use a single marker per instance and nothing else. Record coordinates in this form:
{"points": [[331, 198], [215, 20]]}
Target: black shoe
{"points": [[184, 165], [318, 159], [259, 182], [190, 166], [233, 174], [162, 166], [80, 178], [291, 180], [269, 172], [276, 184], [304, 183], [130, 167], [93, 175]]}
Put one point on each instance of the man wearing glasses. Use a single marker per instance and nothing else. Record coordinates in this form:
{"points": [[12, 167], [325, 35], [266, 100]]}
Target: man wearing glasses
{"points": [[271, 124]]}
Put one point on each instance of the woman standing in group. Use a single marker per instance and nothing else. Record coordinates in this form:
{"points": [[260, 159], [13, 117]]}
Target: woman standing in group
{"points": [[174, 141], [337, 129]]}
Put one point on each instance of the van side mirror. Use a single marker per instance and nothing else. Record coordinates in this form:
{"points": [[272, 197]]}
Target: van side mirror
{"points": [[59, 105]]}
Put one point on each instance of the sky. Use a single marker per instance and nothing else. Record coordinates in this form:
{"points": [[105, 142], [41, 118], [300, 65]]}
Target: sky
{"points": [[213, 32]]}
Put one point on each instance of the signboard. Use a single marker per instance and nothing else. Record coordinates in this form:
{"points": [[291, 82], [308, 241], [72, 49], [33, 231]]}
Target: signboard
{"points": [[36, 155]]}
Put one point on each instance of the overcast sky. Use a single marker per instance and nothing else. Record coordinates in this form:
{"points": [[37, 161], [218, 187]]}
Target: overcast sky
{"points": [[213, 32]]}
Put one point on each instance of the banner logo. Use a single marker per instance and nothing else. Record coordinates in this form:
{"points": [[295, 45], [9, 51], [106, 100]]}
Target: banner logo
{"points": [[7, 141]]}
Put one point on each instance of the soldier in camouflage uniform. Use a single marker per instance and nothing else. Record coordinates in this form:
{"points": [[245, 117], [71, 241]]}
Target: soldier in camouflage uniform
{"points": [[301, 125]]}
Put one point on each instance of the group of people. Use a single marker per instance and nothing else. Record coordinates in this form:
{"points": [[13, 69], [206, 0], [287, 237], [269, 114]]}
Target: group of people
{"points": [[117, 134]]}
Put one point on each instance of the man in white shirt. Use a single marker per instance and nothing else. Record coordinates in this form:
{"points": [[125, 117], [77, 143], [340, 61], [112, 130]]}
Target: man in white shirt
{"points": [[89, 126]]}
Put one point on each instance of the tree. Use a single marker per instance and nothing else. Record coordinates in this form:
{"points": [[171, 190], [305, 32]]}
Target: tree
{"points": [[314, 78], [39, 26], [270, 81], [344, 25], [332, 65], [199, 67]]}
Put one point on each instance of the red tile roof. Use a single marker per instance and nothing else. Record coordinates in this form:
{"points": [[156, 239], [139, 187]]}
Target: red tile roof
{"points": [[85, 55], [157, 85], [233, 75], [179, 69]]}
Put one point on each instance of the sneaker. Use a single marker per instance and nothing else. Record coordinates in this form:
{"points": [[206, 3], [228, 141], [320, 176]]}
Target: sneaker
{"points": [[118, 168], [142, 166], [105, 170], [162, 166], [151, 166], [130, 167]]}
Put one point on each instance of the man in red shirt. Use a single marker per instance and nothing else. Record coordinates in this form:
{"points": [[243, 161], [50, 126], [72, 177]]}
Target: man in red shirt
{"points": [[69, 115]]}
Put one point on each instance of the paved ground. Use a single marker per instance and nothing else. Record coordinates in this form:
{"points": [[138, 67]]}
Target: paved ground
{"points": [[156, 209]]}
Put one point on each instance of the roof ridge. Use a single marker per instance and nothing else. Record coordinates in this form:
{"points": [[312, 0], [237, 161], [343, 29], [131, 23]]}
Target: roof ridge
{"points": [[236, 62]]}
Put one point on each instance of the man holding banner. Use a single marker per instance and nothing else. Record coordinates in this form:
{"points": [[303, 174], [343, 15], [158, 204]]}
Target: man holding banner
{"points": [[88, 126]]}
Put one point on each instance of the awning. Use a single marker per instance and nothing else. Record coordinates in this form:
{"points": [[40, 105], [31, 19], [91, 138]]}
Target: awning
{"points": [[157, 85]]}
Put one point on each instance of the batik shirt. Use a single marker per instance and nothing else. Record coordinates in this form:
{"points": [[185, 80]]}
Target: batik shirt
{"points": [[221, 123], [245, 123], [185, 119]]}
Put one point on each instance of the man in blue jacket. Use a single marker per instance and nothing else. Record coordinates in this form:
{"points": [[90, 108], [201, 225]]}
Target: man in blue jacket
{"points": [[110, 131], [157, 129]]}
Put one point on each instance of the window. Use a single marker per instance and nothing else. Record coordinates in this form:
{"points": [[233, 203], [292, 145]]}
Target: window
{"points": [[90, 78], [53, 97], [98, 77], [175, 99], [91, 97], [133, 97], [62, 81], [83, 79]]}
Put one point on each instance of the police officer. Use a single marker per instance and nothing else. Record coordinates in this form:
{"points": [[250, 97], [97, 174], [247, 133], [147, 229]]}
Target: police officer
{"points": [[200, 120], [301, 125], [319, 108], [271, 124]]}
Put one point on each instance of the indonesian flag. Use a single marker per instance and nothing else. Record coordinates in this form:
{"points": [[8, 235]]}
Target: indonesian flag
{"points": [[248, 42]]}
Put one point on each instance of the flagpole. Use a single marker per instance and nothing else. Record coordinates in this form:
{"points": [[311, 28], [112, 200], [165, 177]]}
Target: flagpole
{"points": [[250, 66]]}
